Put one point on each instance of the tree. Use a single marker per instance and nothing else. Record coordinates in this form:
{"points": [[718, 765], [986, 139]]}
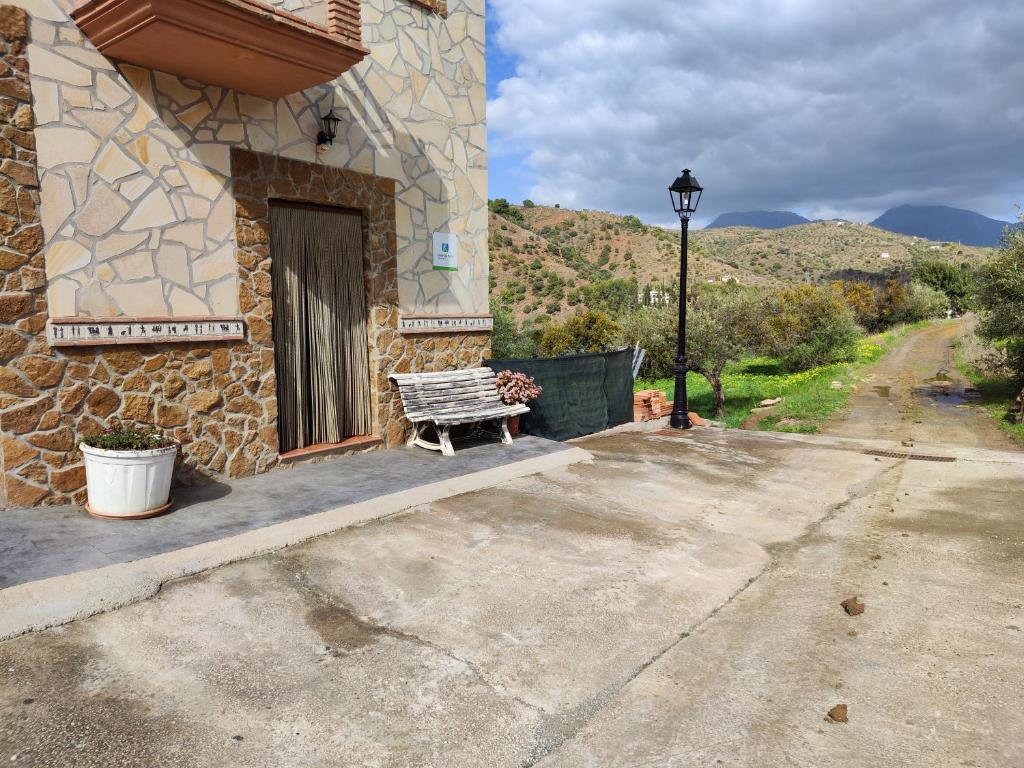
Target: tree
{"points": [[952, 280], [722, 326], [528, 203], [590, 331], [1001, 296]]}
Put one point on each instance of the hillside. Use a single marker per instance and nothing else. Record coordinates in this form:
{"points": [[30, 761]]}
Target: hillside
{"points": [[759, 219], [940, 222], [543, 262]]}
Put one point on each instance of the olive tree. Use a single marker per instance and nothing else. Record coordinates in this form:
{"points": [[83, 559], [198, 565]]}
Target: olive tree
{"points": [[723, 325]]}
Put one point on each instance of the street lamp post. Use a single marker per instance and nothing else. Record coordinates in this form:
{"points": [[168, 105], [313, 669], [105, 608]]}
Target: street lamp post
{"points": [[685, 193]]}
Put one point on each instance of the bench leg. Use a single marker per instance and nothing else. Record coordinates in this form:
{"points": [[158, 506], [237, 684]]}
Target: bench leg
{"points": [[506, 436], [443, 444], [446, 443]]}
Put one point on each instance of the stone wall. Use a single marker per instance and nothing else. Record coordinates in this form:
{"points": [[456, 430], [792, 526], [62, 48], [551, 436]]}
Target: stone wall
{"points": [[217, 399], [134, 164]]}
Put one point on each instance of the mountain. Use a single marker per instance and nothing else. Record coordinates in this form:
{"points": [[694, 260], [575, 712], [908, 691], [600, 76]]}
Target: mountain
{"points": [[544, 261], [940, 222], [758, 219]]}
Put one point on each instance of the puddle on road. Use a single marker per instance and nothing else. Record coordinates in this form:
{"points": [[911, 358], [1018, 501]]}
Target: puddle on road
{"points": [[942, 391], [882, 390]]}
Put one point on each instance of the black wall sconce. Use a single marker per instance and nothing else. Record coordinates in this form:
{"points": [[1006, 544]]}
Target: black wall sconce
{"points": [[330, 130]]}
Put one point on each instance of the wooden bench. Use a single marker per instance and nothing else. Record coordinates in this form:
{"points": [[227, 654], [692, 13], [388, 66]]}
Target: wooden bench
{"points": [[447, 398]]}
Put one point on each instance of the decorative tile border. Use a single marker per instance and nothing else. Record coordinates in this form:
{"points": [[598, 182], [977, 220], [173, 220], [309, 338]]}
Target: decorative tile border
{"points": [[445, 323], [79, 332]]}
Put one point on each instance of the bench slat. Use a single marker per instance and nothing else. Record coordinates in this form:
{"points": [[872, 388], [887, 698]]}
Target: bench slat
{"points": [[435, 374], [455, 386], [442, 376], [465, 394], [459, 407], [463, 418]]}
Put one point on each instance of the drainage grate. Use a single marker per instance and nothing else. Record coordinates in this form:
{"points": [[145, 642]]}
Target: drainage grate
{"points": [[910, 456]]}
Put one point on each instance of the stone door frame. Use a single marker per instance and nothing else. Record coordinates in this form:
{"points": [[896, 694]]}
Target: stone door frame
{"points": [[259, 179]]}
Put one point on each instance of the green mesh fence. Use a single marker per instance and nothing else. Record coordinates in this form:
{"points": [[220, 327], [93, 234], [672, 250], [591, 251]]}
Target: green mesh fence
{"points": [[582, 393]]}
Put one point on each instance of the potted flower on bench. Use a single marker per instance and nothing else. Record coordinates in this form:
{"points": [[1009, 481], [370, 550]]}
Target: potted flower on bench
{"points": [[516, 388], [128, 473]]}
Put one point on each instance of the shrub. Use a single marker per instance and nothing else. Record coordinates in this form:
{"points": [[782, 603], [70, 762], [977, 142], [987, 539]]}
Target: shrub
{"points": [[654, 328], [615, 295], [125, 439], [807, 326], [923, 303], [1001, 296], [861, 298], [528, 203], [505, 332], [892, 300], [503, 208], [632, 223], [589, 331], [955, 282]]}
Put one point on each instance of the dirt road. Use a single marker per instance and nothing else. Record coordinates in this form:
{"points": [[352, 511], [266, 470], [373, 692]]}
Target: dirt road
{"points": [[916, 394]]}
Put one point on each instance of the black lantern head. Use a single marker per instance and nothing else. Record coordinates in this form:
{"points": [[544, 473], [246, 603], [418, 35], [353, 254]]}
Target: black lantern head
{"points": [[685, 193], [330, 122]]}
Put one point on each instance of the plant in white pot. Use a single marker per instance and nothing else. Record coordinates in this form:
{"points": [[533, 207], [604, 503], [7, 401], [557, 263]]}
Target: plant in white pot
{"points": [[128, 473]]}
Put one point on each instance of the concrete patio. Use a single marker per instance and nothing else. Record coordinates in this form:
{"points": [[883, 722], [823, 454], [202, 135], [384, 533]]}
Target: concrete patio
{"points": [[220, 522]]}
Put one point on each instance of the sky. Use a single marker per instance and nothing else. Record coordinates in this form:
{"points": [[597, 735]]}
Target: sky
{"points": [[828, 108]]}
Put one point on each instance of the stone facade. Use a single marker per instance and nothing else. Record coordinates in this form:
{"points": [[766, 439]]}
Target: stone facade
{"points": [[134, 164], [130, 192]]}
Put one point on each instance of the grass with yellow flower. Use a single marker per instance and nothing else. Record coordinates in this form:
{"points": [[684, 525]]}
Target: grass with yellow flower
{"points": [[808, 397]]}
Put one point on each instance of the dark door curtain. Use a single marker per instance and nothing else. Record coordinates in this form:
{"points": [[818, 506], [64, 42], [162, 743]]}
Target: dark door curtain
{"points": [[323, 375]]}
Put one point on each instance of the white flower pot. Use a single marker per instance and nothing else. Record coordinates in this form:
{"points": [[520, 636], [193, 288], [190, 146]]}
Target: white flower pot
{"points": [[128, 485]]}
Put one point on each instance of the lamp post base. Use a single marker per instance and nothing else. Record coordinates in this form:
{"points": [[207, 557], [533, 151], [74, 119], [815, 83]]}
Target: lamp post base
{"points": [[680, 420]]}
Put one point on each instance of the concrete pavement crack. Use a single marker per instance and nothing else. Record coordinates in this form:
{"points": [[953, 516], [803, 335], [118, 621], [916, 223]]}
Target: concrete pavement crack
{"points": [[302, 582]]}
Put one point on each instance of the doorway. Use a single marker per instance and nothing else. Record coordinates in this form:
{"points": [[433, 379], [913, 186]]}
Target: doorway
{"points": [[320, 342]]}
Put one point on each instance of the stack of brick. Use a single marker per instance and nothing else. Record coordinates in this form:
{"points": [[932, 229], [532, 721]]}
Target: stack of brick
{"points": [[650, 404]]}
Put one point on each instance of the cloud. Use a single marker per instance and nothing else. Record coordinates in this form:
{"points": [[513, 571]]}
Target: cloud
{"points": [[845, 108]]}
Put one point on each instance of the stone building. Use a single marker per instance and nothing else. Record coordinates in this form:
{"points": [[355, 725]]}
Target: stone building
{"points": [[178, 249]]}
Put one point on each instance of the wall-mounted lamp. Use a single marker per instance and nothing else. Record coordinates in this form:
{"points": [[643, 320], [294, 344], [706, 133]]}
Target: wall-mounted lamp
{"points": [[330, 130]]}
